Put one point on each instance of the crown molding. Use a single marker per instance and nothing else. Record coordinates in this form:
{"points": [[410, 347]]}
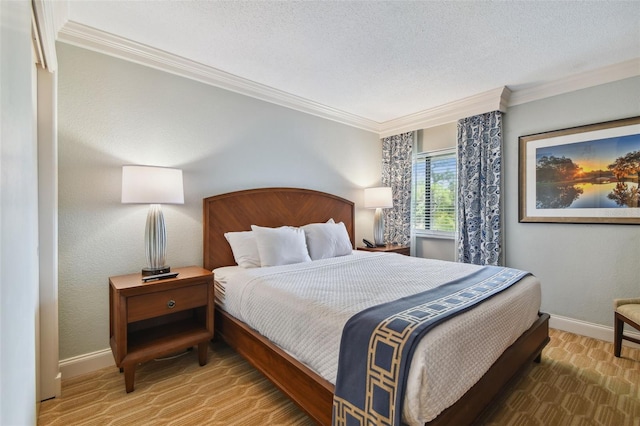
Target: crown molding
{"points": [[492, 100], [45, 14], [584, 80], [99, 41], [497, 99], [503, 98]]}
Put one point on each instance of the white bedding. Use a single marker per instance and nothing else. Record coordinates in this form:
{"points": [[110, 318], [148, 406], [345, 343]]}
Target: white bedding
{"points": [[303, 308]]}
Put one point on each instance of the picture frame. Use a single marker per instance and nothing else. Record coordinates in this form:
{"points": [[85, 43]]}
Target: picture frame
{"points": [[585, 174]]}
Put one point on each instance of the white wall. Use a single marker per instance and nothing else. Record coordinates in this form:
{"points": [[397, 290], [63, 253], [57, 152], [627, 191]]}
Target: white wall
{"points": [[582, 267], [18, 218], [112, 112]]}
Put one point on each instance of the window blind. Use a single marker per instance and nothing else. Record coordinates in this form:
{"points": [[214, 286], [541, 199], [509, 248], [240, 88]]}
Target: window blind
{"points": [[434, 207]]}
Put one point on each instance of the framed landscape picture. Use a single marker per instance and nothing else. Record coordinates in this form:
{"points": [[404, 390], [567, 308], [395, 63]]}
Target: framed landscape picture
{"points": [[586, 174]]}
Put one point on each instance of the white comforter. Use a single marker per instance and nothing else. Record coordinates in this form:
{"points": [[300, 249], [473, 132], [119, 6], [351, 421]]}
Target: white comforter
{"points": [[303, 308]]}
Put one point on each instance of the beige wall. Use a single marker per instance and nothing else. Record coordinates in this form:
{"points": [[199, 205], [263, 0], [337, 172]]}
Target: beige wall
{"points": [[438, 137], [112, 112]]}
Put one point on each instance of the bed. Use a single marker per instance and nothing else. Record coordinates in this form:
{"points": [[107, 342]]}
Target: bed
{"points": [[274, 207]]}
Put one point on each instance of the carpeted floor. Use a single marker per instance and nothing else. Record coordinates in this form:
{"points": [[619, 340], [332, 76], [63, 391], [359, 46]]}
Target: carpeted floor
{"points": [[578, 382]]}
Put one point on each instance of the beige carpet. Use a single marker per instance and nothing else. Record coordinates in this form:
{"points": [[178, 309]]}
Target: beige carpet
{"points": [[579, 382]]}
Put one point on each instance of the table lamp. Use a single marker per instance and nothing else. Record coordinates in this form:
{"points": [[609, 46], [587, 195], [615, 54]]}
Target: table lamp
{"points": [[153, 186], [378, 198]]}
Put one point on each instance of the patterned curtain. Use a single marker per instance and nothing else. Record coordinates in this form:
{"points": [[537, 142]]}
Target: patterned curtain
{"points": [[479, 181], [396, 173]]}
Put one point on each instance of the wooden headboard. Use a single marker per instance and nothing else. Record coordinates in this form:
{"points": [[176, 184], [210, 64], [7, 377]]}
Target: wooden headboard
{"points": [[272, 207]]}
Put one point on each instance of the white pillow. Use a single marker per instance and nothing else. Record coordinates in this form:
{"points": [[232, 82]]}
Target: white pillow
{"points": [[244, 248], [326, 240], [280, 246]]}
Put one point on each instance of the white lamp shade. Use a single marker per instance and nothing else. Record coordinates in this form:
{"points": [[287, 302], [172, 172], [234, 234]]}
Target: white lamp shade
{"points": [[152, 185], [378, 198]]}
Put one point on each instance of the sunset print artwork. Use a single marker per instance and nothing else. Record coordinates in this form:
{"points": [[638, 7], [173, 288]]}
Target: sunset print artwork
{"points": [[587, 174]]}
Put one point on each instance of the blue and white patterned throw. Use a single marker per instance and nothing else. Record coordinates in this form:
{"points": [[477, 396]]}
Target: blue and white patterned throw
{"points": [[378, 344]]}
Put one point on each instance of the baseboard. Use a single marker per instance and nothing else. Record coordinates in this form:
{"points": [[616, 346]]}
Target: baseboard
{"points": [[58, 385], [588, 329], [87, 363]]}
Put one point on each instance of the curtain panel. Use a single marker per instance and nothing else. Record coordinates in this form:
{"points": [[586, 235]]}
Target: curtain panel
{"points": [[479, 188], [396, 173]]}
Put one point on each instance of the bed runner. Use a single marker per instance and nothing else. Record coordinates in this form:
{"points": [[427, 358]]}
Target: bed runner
{"points": [[378, 343]]}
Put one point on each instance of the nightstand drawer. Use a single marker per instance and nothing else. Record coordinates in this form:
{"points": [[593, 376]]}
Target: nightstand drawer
{"points": [[166, 302]]}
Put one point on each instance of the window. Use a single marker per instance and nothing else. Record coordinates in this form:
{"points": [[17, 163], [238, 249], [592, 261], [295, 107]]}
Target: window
{"points": [[435, 180]]}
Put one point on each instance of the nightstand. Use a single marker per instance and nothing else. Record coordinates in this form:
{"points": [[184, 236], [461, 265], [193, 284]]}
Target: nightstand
{"points": [[390, 248], [158, 318]]}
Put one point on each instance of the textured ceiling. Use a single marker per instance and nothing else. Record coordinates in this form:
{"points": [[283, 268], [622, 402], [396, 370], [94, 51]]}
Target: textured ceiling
{"points": [[381, 60]]}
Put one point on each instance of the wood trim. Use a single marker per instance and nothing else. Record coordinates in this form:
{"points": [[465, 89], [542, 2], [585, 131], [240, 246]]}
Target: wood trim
{"points": [[271, 207]]}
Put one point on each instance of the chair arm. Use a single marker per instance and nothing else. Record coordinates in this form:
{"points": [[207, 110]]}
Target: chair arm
{"points": [[620, 302]]}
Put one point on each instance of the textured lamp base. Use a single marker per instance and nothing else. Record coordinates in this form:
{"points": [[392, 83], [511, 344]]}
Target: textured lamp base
{"points": [[155, 236], [378, 228], [155, 271]]}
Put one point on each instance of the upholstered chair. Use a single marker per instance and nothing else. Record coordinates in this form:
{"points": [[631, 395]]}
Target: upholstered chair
{"points": [[626, 311]]}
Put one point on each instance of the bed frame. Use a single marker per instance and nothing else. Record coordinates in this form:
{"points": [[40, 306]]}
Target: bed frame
{"points": [[272, 207]]}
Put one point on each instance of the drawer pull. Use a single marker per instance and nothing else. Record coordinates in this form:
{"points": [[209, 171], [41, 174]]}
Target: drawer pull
{"points": [[171, 304]]}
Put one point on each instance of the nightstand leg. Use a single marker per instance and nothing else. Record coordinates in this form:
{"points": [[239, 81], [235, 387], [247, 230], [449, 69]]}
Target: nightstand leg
{"points": [[203, 347], [129, 375]]}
